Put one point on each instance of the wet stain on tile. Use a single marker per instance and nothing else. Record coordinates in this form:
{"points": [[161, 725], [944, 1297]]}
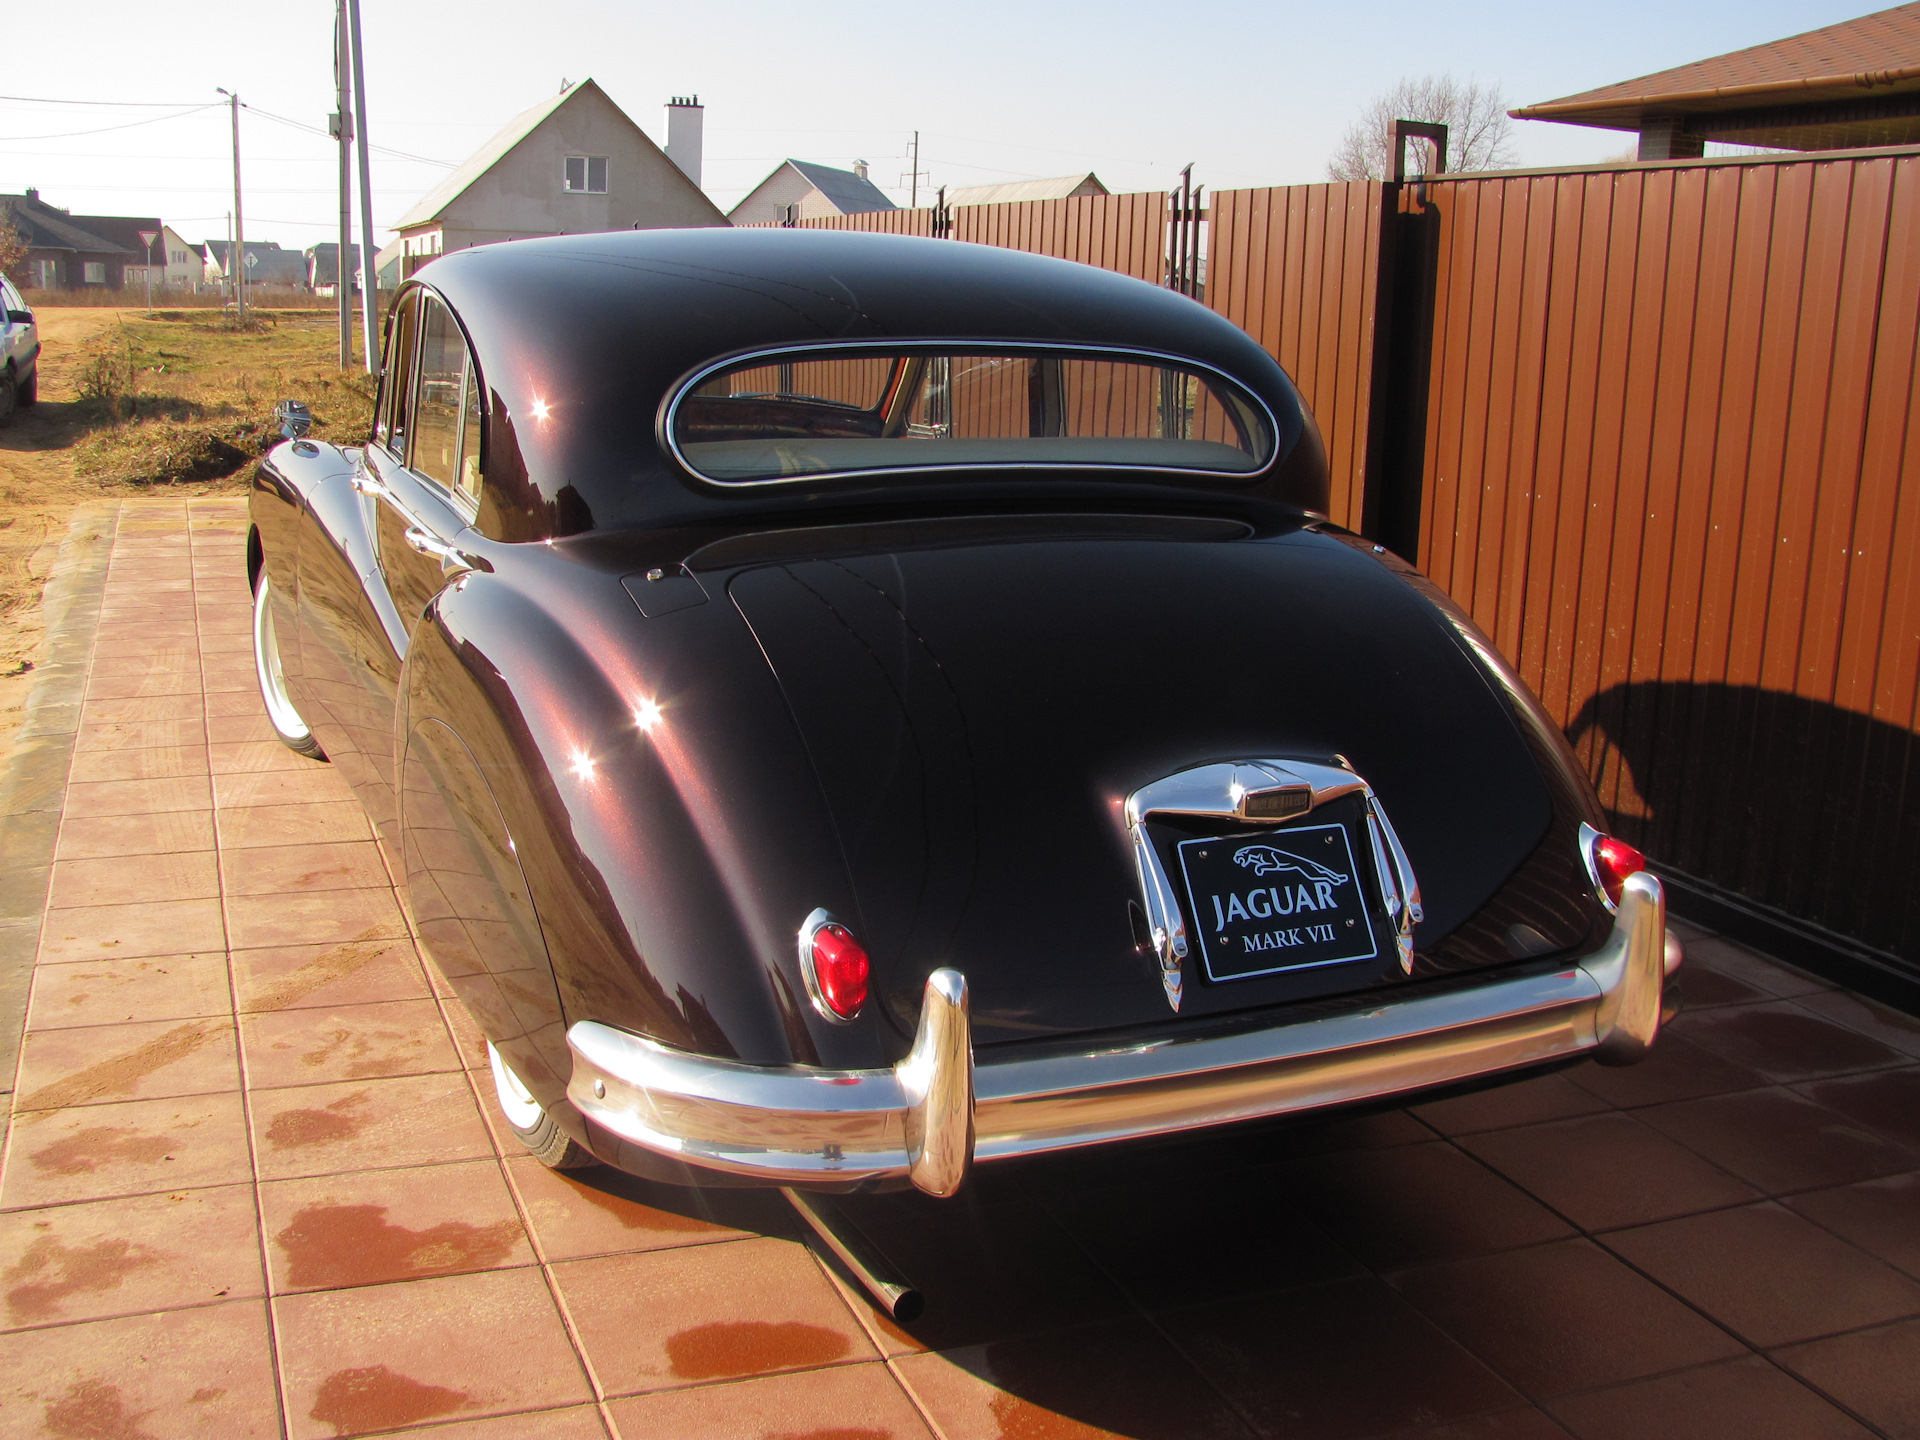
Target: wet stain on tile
{"points": [[206, 1393], [752, 1347], [333, 1245], [372, 1397], [85, 1151], [342, 1120], [94, 1410], [48, 1272], [120, 1074], [323, 970]]}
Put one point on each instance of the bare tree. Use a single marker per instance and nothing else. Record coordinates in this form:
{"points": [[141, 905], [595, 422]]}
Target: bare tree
{"points": [[13, 249], [1479, 133]]}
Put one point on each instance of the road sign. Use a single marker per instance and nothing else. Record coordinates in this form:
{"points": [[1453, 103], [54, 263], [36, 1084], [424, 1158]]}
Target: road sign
{"points": [[147, 237]]}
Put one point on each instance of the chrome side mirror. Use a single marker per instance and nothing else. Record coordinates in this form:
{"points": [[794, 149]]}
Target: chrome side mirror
{"points": [[294, 419]]}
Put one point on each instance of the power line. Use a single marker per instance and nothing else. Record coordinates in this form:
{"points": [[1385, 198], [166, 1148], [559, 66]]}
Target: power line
{"points": [[116, 104], [70, 134], [316, 130]]}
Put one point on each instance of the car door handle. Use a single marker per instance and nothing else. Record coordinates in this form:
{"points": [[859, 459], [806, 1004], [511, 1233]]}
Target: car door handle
{"points": [[368, 483], [453, 560]]}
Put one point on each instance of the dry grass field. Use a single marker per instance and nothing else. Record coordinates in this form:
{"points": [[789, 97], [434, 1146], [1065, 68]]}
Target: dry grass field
{"points": [[129, 404]]}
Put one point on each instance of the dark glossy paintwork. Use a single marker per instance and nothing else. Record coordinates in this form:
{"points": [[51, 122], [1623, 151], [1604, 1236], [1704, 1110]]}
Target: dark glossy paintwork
{"points": [[919, 709]]}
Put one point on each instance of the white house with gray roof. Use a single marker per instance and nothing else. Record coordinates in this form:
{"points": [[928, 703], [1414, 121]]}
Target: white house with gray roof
{"points": [[801, 190], [1059, 187], [574, 164]]}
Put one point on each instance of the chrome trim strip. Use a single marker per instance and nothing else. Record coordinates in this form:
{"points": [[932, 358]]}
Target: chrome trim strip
{"points": [[935, 347], [793, 1125]]}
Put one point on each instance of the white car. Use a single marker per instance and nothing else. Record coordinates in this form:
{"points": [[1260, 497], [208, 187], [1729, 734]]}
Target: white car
{"points": [[19, 353]]}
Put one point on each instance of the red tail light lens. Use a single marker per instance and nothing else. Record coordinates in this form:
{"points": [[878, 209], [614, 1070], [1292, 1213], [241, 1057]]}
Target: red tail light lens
{"points": [[1613, 861], [840, 970]]}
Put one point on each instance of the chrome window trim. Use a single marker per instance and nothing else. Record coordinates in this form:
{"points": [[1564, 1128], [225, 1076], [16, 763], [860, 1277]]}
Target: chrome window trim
{"points": [[943, 1108], [684, 387]]}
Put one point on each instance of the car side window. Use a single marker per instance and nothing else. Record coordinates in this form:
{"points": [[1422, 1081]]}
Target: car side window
{"points": [[446, 423], [396, 398]]}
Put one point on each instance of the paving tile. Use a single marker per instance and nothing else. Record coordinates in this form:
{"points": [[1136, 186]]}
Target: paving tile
{"points": [[139, 1146], [288, 869], [1874, 1373], [104, 992], [1881, 1217], [83, 837], [133, 661], [1856, 1012], [99, 766], [120, 1257], [1605, 1171], [367, 1124], [139, 709], [1676, 1069], [119, 880], [1499, 1107], [287, 977], [1730, 957], [999, 1263], [846, 1402], [1785, 1043], [575, 1422], [247, 724], [1886, 1102], [669, 1318], [1171, 1241], [1768, 1275], [1524, 1424], [1735, 1400], [147, 1060], [130, 686], [1780, 1141], [317, 784], [1119, 1379], [183, 1375], [372, 1227], [139, 734], [255, 756], [602, 1211], [467, 1037], [292, 824], [1335, 1362], [139, 797], [314, 918], [1403, 1206], [345, 1042], [378, 1357], [1706, 989], [1562, 1317], [164, 927]]}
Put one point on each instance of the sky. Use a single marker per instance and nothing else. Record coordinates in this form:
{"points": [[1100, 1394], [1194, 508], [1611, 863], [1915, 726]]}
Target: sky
{"points": [[1251, 94]]}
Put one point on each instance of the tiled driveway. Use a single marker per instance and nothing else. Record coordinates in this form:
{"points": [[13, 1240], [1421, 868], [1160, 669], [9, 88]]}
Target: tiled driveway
{"points": [[250, 1187]]}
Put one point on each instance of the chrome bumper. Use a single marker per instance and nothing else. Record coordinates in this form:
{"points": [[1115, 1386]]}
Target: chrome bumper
{"points": [[938, 1110]]}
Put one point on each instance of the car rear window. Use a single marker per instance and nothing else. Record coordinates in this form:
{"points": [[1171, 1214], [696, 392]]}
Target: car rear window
{"points": [[806, 415]]}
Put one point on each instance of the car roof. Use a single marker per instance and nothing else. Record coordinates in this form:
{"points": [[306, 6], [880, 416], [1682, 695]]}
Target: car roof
{"points": [[581, 338]]}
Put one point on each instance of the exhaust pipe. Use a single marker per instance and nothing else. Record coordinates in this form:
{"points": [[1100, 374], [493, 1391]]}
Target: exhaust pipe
{"points": [[889, 1289]]}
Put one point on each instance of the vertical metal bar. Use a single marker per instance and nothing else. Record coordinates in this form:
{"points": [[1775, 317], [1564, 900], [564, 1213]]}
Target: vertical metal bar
{"points": [[238, 254], [343, 136], [369, 269]]}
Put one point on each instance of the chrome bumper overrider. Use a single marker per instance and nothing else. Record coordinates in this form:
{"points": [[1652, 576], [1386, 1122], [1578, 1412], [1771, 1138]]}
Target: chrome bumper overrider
{"points": [[938, 1110]]}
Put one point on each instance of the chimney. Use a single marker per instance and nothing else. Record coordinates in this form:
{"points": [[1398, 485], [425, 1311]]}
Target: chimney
{"points": [[860, 168], [686, 120], [33, 195]]}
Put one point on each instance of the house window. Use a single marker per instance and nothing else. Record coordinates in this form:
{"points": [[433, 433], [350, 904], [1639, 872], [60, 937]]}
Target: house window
{"points": [[587, 174], [49, 278], [96, 272], [176, 257]]}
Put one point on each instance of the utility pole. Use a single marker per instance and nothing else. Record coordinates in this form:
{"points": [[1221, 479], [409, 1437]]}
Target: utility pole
{"points": [[239, 250], [369, 271], [147, 237], [913, 194], [343, 132]]}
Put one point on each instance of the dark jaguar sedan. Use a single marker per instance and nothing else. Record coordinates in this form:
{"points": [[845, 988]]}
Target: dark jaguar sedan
{"points": [[849, 708]]}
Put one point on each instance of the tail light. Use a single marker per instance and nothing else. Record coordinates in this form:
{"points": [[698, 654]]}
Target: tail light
{"points": [[835, 967], [1610, 862]]}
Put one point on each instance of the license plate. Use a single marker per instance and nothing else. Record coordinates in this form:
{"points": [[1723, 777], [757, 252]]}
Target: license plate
{"points": [[1290, 900]]}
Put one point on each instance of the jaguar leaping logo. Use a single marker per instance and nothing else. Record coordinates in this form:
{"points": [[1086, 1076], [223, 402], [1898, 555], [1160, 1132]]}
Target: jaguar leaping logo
{"points": [[1266, 860]]}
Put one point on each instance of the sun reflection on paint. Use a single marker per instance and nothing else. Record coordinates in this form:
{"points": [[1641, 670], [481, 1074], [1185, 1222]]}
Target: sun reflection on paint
{"points": [[582, 766], [646, 714], [541, 409]]}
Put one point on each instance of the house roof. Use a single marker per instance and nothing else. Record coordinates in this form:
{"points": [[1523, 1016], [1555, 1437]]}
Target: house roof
{"points": [[1060, 187], [1869, 59], [842, 189], [45, 228], [123, 230]]}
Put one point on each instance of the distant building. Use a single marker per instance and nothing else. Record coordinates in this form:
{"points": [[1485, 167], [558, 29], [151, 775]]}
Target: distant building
{"points": [[63, 254], [802, 190], [125, 231], [1063, 187], [573, 164], [386, 263], [185, 265], [323, 267], [1837, 88], [267, 263]]}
